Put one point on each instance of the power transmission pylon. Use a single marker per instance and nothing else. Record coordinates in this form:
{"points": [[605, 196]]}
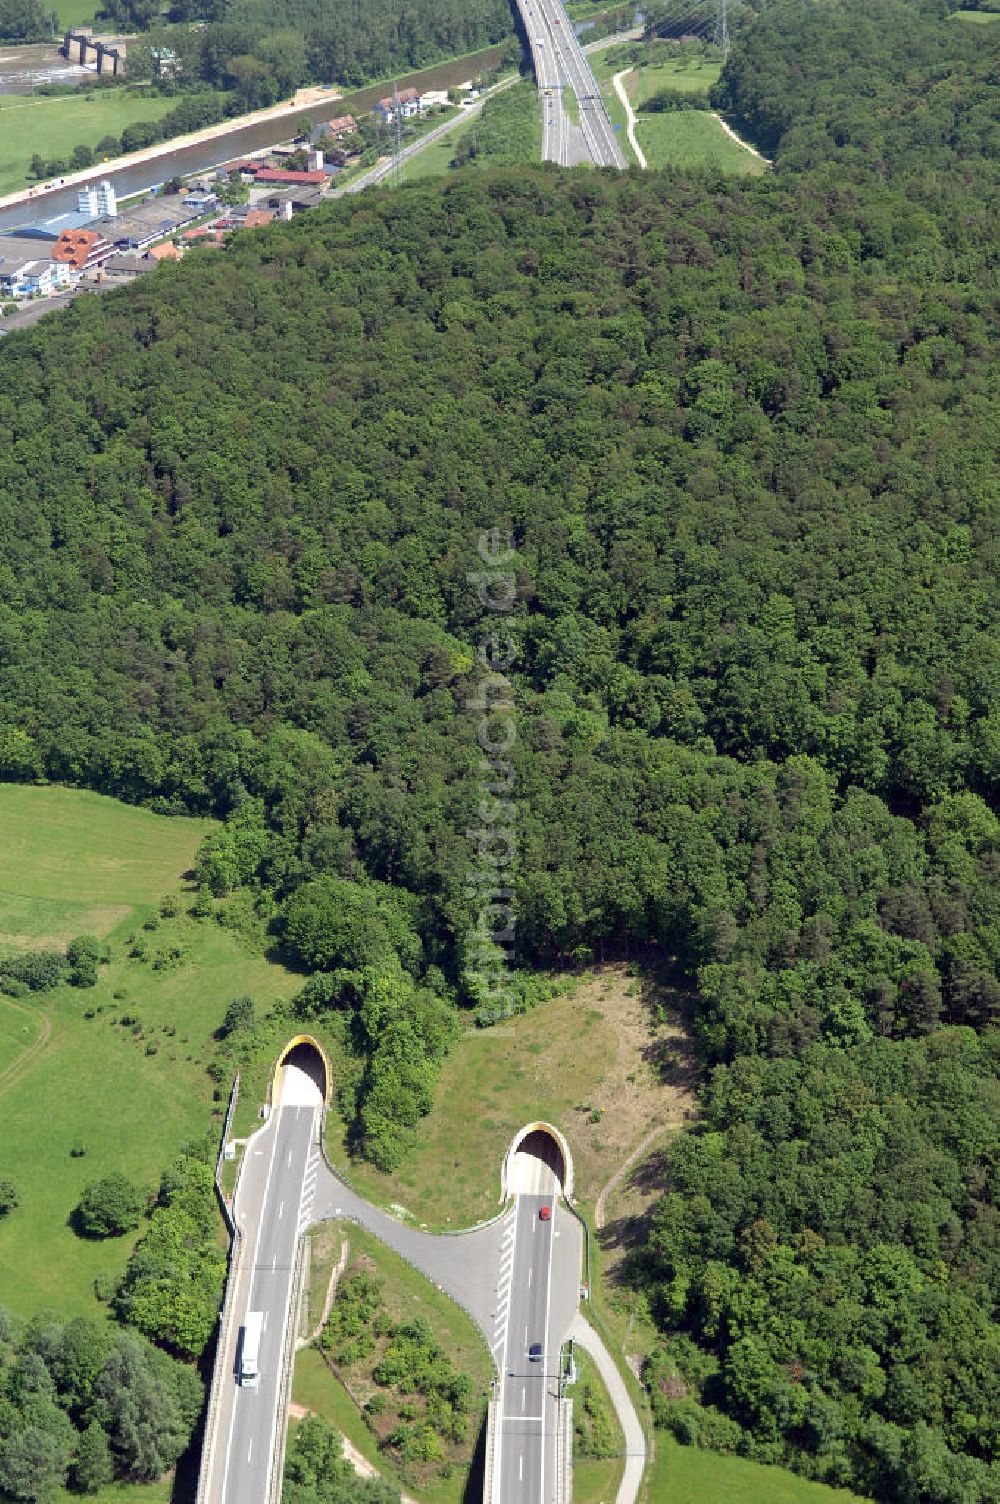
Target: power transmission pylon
{"points": [[721, 37], [397, 138]]}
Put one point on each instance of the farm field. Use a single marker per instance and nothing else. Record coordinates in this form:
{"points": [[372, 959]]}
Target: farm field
{"points": [[52, 127], [129, 1094], [595, 1062], [687, 1475]]}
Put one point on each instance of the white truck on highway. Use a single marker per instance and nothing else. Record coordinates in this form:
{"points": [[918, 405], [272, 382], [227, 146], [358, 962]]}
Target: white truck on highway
{"points": [[250, 1349]]}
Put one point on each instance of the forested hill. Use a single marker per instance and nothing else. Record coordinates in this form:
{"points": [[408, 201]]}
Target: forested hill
{"points": [[888, 88], [744, 435]]}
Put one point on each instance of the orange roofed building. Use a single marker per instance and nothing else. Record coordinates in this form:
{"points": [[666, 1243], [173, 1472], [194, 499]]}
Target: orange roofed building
{"points": [[81, 250]]}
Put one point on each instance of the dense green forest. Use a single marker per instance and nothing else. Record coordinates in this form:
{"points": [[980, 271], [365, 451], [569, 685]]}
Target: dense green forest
{"points": [[743, 436], [82, 1401], [25, 21], [265, 51]]}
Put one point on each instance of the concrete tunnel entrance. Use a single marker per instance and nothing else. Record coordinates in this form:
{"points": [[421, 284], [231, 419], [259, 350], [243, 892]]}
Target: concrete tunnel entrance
{"points": [[305, 1054], [538, 1162]]}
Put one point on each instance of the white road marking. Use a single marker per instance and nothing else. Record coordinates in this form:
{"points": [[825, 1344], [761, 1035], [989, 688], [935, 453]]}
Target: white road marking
{"points": [[256, 1248], [545, 1338], [520, 1468], [281, 1208], [523, 1395], [250, 1449], [529, 1279]]}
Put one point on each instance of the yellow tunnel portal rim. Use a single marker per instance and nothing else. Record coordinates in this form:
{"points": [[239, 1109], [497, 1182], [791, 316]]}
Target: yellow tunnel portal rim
{"points": [[293, 1043]]}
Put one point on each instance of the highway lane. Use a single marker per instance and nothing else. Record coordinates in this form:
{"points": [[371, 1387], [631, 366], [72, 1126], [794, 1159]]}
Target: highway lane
{"points": [[281, 1184], [529, 1389], [560, 65]]}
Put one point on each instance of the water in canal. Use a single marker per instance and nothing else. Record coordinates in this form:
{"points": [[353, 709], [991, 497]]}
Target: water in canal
{"points": [[243, 140]]}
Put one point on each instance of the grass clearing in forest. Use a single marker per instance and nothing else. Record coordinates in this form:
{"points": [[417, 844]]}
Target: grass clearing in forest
{"points": [[688, 1475], [977, 17], [128, 1094], [126, 1493], [53, 126], [687, 75], [693, 139], [604, 1062]]}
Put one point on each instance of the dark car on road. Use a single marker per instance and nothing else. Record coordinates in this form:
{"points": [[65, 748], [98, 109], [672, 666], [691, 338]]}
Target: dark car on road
{"points": [[535, 1352]]}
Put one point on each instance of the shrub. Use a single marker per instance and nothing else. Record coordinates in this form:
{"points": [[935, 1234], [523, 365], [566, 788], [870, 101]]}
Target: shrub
{"points": [[109, 1207], [37, 970]]}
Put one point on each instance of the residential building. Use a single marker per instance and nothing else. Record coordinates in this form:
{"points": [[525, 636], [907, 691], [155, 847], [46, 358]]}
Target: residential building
{"points": [[81, 250], [408, 101], [201, 200], [433, 99], [288, 176], [344, 125], [27, 270], [125, 266], [165, 251]]}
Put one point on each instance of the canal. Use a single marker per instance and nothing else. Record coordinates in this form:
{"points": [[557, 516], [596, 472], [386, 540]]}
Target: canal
{"points": [[243, 140]]}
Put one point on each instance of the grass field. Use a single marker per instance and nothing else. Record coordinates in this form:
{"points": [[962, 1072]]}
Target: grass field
{"points": [[124, 1493], [406, 1294], [688, 75], [20, 1028], [692, 138], [977, 17], [132, 1094], [586, 1061], [56, 844], [686, 1475], [74, 12], [595, 1479], [52, 127], [678, 138]]}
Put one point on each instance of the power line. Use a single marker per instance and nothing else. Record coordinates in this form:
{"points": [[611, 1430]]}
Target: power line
{"points": [[721, 37]]}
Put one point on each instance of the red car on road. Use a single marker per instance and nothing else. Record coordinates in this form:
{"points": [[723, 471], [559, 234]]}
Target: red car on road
{"points": [[545, 1214]]}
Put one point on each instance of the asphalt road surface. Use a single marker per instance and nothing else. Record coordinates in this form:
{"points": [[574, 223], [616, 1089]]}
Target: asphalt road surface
{"points": [[278, 1183], [543, 1258], [517, 1277], [560, 66]]}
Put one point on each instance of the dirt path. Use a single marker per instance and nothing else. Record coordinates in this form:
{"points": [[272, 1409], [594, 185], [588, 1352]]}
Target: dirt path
{"points": [[331, 1293], [740, 141], [17, 1067], [640, 155], [619, 1175]]}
